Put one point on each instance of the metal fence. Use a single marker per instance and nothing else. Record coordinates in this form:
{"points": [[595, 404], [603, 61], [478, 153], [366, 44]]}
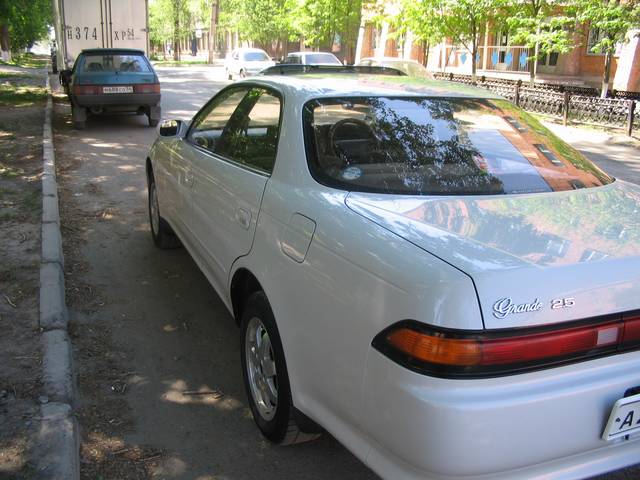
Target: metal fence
{"points": [[577, 104]]}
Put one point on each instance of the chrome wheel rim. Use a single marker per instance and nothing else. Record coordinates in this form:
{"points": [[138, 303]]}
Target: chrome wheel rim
{"points": [[154, 210], [261, 369]]}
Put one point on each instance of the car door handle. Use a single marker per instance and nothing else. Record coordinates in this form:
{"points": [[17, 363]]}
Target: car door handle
{"points": [[243, 217]]}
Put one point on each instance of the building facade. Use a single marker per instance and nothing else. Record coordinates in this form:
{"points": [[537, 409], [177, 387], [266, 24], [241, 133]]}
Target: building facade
{"points": [[498, 57]]}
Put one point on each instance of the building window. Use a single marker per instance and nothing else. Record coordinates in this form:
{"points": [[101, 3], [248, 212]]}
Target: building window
{"points": [[550, 60], [595, 35]]}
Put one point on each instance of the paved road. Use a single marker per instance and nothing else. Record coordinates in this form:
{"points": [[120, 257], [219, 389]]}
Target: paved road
{"points": [[174, 331]]}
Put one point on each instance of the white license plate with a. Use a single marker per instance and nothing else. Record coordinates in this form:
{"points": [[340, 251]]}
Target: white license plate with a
{"points": [[624, 419], [125, 89]]}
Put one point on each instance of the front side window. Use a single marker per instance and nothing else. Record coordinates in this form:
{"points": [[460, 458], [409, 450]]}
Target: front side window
{"points": [[210, 122], [438, 146], [115, 63]]}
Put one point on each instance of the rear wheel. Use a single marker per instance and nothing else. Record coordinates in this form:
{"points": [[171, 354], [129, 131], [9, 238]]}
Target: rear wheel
{"points": [[163, 236], [265, 374]]}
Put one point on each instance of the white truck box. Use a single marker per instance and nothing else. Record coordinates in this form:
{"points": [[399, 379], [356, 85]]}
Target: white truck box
{"points": [[82, 24]]}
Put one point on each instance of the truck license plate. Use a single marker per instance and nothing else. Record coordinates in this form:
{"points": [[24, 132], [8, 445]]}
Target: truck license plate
{"points": [[127, 89], [624, 419]]}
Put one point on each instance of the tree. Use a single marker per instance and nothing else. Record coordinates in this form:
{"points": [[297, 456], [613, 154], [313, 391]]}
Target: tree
{"points": [[321, 21], [261, 21], [465, 22], [171, 20], [421, 18], [537, 25], [610, 21], [23, 22]]}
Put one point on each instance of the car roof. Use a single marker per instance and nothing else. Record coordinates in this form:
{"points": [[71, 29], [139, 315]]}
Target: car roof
{"points": [[310, 53], [112, 50], [316, 85], [390, 59], [248, 49]]}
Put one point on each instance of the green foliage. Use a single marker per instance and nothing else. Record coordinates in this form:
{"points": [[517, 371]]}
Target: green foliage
{"points": [[172, 19], [28, 21], [538, 24], [21, 95], [319, 21], [421, 18], [612, 18], [260, 20]]}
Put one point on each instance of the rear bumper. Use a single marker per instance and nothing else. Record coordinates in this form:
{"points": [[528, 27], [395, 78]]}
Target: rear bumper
{"points": [[545, 424], [133, 100]]}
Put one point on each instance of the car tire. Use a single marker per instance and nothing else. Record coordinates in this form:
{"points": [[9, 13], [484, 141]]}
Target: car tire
{"points": [[162, 234], [276, 420]]}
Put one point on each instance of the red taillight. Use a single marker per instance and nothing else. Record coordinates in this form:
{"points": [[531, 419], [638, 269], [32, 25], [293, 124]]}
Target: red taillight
{"points": [[631, 333], [452, 353], [86, 89], [147, 88]]}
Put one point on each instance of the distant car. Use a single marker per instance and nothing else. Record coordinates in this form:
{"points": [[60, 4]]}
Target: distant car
{"points": [[112, 80], [312, 58], [244, 62], [410, 67], [419, 267]]}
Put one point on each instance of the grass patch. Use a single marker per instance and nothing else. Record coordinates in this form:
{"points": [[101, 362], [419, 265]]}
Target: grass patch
{"points": [[27, 60], [16, 75], [21, 95]]}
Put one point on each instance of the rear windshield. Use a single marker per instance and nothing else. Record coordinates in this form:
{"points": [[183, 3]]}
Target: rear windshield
{"points": [[255, 56], [115, 63], [438, 146], [312, 58]]}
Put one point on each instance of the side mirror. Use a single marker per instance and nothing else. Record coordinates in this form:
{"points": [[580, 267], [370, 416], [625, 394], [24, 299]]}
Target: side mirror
{"points": [[171, 128], [65, 77]]}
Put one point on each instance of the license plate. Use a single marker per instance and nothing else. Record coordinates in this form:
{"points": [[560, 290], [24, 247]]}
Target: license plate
{"points": [[624, 419], [127, 89]]}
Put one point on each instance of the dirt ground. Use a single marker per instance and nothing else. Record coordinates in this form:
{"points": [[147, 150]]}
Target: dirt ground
{"points": [[20, 216]]}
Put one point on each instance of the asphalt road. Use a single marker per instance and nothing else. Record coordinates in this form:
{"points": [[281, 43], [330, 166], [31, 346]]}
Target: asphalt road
{"points": [[161, 310]]}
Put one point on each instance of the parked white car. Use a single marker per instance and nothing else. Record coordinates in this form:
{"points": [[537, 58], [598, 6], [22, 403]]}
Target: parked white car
{"points": [[312, 58], [418, 267], [409, 67], [245, 62]]}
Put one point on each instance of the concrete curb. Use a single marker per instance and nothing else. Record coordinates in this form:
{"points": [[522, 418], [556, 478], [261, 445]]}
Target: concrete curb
{"points": [[57, 450], [58, 443]]}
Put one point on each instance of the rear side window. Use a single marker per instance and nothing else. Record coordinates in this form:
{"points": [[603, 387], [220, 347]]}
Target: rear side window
{"points": [[438, 146], [115, 63], [251, 135], [324, 58]]}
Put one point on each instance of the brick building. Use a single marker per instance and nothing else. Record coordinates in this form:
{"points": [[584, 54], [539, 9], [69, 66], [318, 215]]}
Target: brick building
{"points": [[497, 57]]}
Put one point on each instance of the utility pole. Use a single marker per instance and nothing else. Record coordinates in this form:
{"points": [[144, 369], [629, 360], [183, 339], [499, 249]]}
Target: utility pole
{"points": [[213, 25]]}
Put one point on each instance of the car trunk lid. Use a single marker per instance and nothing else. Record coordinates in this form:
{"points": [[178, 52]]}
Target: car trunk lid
{"points": [[535, 259]]}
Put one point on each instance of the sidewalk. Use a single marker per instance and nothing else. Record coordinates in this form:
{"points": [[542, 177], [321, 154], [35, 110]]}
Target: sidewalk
{"points": [[616, 154]]}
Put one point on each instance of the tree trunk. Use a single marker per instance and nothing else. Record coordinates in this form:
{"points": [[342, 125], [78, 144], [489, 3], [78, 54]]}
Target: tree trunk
{"points": [[213, 25], [176, 31], [532, 66], [607, 74], [426, 47], [5, 42]]}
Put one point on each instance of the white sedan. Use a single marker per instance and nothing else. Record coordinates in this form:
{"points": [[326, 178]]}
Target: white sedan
{"points": [[420, 268], [244, 62]]}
